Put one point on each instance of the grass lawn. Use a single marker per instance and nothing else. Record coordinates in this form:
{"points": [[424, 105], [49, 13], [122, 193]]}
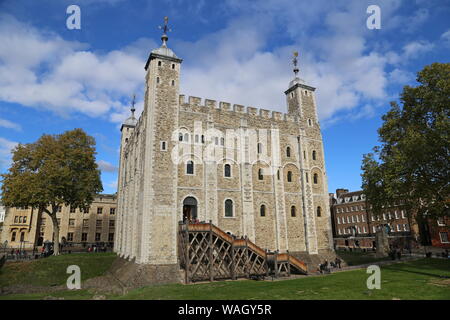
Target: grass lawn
{"points": [[357, 258], [52, 270], [420, 279]]}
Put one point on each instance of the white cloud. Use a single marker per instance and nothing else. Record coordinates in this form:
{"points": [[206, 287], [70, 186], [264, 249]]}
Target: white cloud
{"points": [[5, 152], [446, 36], [415, 48], [105, 166], [9, 124], [41, 70], [238, 63]]}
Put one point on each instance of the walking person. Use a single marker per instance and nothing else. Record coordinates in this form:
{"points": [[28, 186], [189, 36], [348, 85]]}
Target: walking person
{"points": [[337, 261]]}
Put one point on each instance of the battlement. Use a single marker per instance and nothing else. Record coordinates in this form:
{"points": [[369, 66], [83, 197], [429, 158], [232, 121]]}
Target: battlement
{"points": [[196, 104]]}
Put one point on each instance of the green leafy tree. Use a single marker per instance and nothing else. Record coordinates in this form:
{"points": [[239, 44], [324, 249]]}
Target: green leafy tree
{"points": [[412, 162], [55, 170]]}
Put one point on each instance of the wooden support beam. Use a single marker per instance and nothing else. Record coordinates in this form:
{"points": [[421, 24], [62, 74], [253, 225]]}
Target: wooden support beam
{"points": [[187, 260], [276, 264], [233, 260], [288, 264], [211, 256]]}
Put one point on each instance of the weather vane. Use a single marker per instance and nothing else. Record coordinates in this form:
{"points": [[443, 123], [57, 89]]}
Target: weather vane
{"points": [[295, 61], [165, 29], [132, 104]]}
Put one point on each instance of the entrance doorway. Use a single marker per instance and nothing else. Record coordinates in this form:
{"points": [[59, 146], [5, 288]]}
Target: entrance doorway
{"points": [[189, 209]]}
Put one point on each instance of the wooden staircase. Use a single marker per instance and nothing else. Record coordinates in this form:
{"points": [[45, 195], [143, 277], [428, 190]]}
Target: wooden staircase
{"points": [[208, 253]]}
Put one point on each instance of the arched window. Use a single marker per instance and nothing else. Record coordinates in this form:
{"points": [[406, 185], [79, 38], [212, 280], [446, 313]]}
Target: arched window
{"points": [[319, 211], [190, 167], [222, 141], [278, 174], [228, 208], [173, 65], [309, 122], [259, 147], [203, 139], [173, 83], [22, 236], [314, 155], [180, 137], [227, 170], [157, 79], [316, 178], [289, 176], [186, 137], [262, 211], [260, 174], [13, 236], [288, 152], [293, 211]]}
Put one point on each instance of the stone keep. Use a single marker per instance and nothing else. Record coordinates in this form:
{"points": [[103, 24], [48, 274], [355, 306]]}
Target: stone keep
{"points": [[275, 161]]}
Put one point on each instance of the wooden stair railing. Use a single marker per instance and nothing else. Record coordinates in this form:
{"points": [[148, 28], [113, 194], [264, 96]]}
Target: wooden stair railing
{"points": [[206, 252]]}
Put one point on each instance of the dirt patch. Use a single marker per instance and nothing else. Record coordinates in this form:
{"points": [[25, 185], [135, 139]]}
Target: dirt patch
{"points": [[440, 282]]}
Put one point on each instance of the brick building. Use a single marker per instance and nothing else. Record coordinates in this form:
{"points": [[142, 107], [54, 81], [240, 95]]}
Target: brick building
{"points": [[22, 228], [354, 226]]}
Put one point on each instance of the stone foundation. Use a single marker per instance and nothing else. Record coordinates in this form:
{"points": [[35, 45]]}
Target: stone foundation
{"points": [[133, 275], [313, 260]]}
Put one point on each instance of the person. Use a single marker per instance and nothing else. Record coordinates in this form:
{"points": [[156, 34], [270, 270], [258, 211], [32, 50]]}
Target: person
{"points": [[337, 261]]}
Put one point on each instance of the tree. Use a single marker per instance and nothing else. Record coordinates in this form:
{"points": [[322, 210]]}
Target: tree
{"points": [[412, 163], [55, 170]]}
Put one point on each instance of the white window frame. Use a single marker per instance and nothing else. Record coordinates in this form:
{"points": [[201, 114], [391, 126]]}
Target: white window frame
{"points": [[440, 237]]}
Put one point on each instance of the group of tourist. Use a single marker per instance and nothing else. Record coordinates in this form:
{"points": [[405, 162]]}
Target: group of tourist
{"points": [[327, 266]]}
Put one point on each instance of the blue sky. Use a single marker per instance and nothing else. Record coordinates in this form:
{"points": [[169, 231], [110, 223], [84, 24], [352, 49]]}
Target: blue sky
{"points": [[53, 79]]}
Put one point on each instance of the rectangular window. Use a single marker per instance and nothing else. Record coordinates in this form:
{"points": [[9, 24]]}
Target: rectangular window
{"points": [[338, 220], [70, 236], [99, 210], [353, 219], [71, 222], [384, 216], [362, 218], [111, 237], [84, 236], [111, 223], [398, 228], [339, 231], [85, 223], [97, 236], [163, 145], [444, 237], [16, 219], [403, 214], [86, 210], [365, 230], [72, 210], [348, 219], [98, 223], [357, 218], [112, 210]]}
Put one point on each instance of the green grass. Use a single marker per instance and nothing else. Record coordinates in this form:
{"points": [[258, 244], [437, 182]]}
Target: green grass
{"points": [[420, 279], [357, 258], [51, 271]]}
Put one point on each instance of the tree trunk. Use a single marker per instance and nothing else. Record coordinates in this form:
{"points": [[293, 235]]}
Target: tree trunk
{"points": [[55, 232]]}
